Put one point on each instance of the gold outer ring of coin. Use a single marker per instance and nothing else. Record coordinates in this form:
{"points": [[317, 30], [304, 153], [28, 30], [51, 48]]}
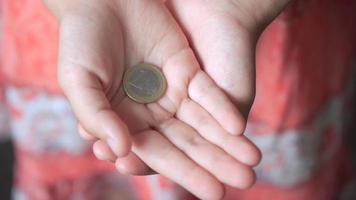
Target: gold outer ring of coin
{"points": [[141, 99]]}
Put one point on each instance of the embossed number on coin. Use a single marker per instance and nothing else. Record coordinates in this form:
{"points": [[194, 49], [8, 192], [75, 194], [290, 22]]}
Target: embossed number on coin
{"points": [[144, 83]]}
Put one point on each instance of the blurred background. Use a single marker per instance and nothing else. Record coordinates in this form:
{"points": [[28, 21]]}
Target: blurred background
{"points": [[6, 169], [303, 119]]}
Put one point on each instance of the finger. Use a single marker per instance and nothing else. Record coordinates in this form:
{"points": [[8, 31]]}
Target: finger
{"points": [[93, 110], [84, 134], [165, 159], [133, 165], [136, 116], [210, 157], [206, 93], [103, 152], [238, 147]]}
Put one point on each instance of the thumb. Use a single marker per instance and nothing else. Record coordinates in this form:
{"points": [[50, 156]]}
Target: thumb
{"points": [[83, 74], [93, 109]]}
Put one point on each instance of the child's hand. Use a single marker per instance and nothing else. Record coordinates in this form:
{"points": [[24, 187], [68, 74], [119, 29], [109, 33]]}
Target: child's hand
{"points": [[224, 34], [188, 134]]}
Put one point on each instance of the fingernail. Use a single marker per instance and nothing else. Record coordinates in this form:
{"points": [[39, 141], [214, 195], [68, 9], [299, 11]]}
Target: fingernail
{"points": [[112, 144], [98, 154]]}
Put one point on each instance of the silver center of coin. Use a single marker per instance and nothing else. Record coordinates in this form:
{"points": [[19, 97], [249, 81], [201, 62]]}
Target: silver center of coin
{"points": [[145, 83]]}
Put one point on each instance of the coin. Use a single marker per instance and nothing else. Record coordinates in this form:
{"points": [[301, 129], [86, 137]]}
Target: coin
{"points": [[144, 83]]}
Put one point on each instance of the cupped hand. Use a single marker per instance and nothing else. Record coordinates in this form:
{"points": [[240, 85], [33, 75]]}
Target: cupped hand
{"points": [[188, 135], [223, 34]]}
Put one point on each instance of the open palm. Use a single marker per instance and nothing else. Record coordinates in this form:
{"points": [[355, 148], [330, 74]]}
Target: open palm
{"points": [[223, 34], [188, 135]]}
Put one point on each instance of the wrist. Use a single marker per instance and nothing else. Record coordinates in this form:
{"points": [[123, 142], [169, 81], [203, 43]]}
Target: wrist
{"points": [[61, 8], [259, 13], [57, 7]]}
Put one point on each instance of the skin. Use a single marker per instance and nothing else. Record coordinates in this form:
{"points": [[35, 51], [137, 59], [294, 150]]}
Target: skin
{"points": [[224, 33], [190, 135]]}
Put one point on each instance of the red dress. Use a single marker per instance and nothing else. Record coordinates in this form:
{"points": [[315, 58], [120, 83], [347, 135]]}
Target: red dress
{"points": [[302, 118]]}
